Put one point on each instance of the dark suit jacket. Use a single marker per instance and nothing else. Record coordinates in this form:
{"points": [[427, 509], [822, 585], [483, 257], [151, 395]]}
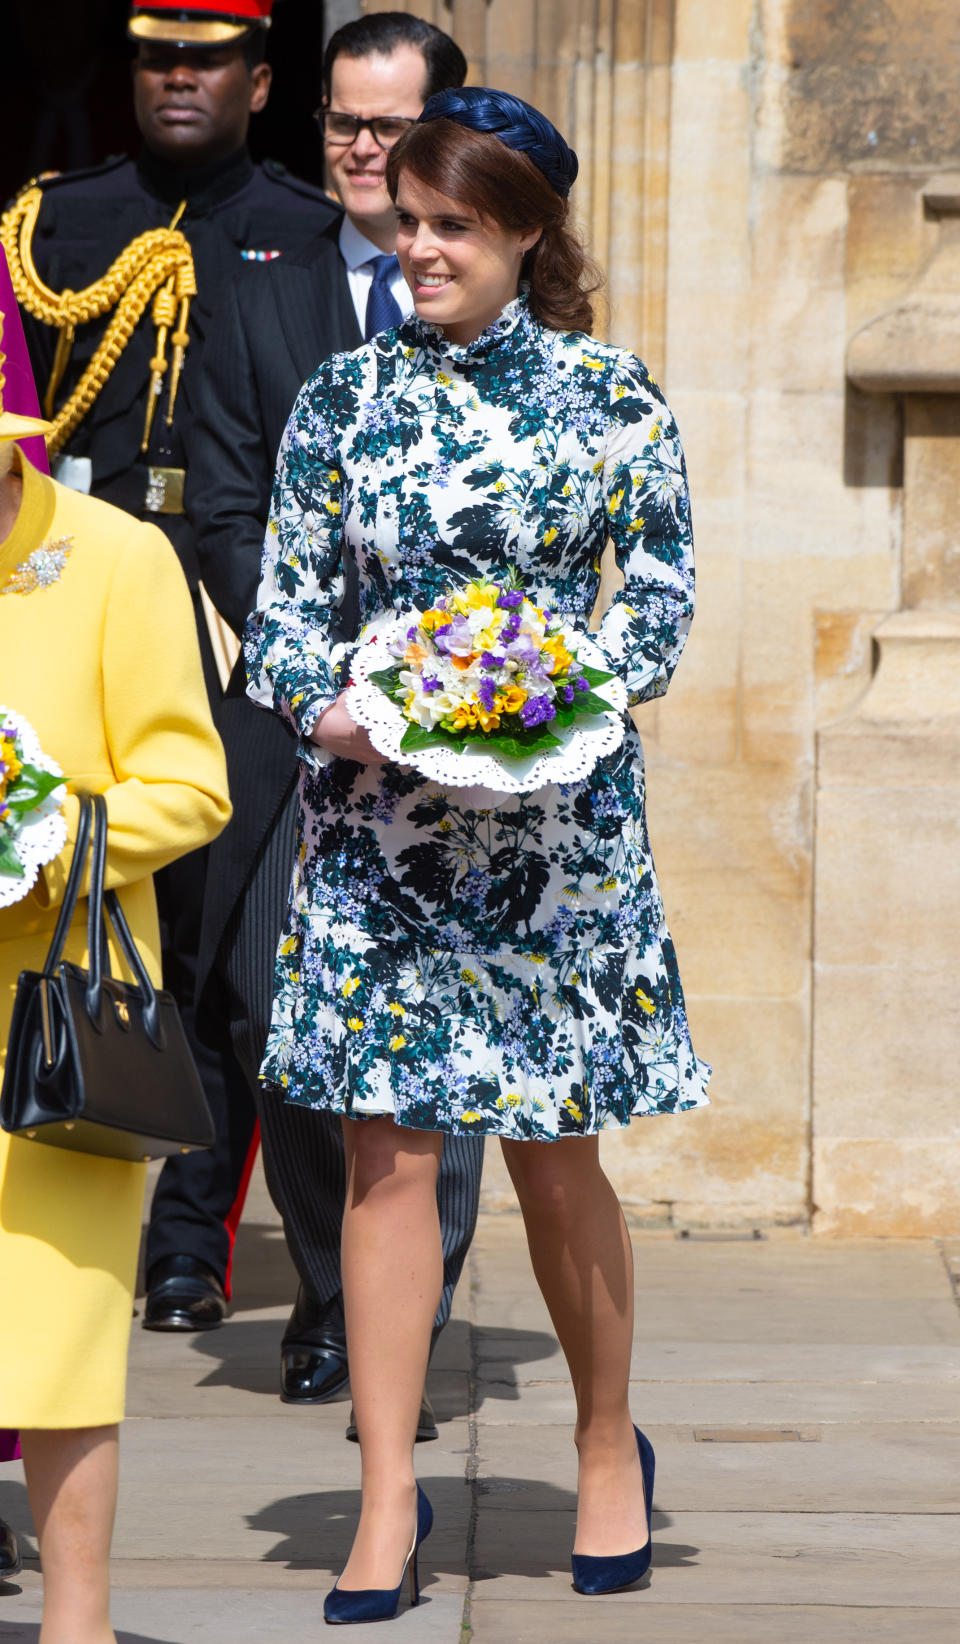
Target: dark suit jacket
{"points": [[272, 330]]}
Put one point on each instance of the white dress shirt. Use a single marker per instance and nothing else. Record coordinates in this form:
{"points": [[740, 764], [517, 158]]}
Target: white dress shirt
{"points": [[358, 253]]}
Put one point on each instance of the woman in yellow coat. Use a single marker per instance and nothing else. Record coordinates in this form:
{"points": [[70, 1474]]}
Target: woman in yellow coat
{"points": [[98, 652]]}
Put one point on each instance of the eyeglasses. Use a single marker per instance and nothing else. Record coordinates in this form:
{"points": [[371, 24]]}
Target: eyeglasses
{"points": [[343, 129]]}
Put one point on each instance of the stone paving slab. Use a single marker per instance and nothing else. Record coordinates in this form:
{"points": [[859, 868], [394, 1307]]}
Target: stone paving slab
{"points": [[539, 1622], [236, 1511], [165, 1614], [729, 1403], [835, 1469], [744, 1558]]}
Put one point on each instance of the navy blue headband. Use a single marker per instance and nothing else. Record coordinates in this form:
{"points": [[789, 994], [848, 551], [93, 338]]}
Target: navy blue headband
{"points": [[515, 122]]}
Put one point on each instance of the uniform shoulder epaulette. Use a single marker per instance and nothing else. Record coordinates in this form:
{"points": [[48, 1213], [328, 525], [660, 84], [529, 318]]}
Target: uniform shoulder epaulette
{"points": [[50, 180], [278, 173]]}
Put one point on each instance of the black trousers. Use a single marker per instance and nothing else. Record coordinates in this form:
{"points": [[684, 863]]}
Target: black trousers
{"points": [[199, 1195], [193, 1204], [302, 1148]]}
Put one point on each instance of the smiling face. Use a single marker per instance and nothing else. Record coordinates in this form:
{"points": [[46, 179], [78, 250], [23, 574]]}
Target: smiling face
{"points": [[193, 104], [462, 268], [371, 86]]}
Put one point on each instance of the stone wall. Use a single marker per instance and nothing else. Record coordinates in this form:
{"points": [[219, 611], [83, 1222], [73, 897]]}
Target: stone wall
{"points": [[752, 180]]}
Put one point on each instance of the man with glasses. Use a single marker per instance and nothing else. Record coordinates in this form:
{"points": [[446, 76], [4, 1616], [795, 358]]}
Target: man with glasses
{"points": [[269, 336]]}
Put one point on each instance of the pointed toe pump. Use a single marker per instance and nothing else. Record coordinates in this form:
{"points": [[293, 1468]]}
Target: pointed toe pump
{"points": [[608, 1575], [382, 1603]]}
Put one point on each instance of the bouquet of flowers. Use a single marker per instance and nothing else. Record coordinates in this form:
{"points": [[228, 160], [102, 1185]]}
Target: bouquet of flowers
{"points": [[32, 828], [492, 677]]}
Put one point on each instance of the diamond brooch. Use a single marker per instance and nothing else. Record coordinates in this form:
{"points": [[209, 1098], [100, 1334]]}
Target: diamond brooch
{"points": [[41, 569]]}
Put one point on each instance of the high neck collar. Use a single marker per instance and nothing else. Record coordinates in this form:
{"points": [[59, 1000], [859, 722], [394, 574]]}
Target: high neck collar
{"points": [[201, 186], [38, 504], [515, 322]]}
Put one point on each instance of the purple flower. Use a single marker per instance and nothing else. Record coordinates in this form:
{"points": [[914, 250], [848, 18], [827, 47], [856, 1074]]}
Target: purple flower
{"points": [[430, 684], [486, 691], [537, 710], [581, 684], [510, 598], [412, 632], [490, 659], [510, 630], [567, 692], [454, 638]]}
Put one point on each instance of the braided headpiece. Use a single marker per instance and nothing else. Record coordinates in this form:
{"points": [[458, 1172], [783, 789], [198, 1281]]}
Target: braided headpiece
{"points": [[515, 122]]}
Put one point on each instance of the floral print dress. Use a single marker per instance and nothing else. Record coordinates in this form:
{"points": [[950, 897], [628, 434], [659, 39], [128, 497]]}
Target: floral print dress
{"points": [[467, 961]]}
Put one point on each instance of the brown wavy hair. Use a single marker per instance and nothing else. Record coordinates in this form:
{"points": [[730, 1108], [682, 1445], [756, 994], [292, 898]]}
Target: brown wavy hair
{"points": [[501, 184]]}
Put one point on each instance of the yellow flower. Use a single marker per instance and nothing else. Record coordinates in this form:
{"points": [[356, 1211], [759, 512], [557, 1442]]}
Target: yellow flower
{"points": [[501, 1103], [514, 1098], [608, 884], [395, 1008], [572, 1107], [350, 986], [468, 976], [397, 1042], [549, 536], [434, 619], [539, 958], [591, 363], [645, 1002], [355, 1023], [575, 978], [443, 379], [511, 700], [619, 391], [445, 824], [500, 485], [656, 431], [464, 717], [284, 1079], [472, 1117], [615, 501], [488, 721], [598, 467], [333, 476], [332, 506], [637, 524], [290, 945], [294, 976], [562, 658]]}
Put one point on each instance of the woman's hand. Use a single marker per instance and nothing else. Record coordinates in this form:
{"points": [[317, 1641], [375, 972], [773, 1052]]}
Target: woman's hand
{"points": [[341, 735]]}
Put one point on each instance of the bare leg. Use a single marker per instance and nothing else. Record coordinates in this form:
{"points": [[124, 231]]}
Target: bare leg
{"points": [[72, 1480], [392, 1267], [583, 1263]]}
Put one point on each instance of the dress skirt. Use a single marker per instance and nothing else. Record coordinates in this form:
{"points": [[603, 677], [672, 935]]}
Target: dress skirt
{"points": [[480, 964]]}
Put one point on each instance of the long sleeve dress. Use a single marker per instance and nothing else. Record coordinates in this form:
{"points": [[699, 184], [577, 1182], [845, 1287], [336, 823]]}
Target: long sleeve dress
{"points": [[99, 653], [465, 961]]}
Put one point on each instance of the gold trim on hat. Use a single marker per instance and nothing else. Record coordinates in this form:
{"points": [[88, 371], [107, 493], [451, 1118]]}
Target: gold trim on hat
{"points": [[208, 33]]}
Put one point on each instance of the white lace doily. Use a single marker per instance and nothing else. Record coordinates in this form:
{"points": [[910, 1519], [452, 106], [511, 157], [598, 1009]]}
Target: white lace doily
{"points": [[43, 833], [581, 745]]}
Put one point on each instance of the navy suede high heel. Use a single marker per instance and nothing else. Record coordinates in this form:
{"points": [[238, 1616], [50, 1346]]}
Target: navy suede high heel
{"points": [[382, 1603], [608, 1575]]}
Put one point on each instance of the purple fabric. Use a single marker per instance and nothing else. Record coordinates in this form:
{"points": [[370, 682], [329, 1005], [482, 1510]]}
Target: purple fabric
{"points": [[19, 389], [9, 1445]]}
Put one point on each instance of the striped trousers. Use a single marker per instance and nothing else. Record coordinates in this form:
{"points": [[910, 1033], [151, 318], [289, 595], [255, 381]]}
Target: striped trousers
{"points": [[303, 1156]]}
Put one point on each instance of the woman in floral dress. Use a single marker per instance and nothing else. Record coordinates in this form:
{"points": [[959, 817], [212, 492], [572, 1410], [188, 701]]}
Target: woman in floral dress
{"points": [[455, 960]]}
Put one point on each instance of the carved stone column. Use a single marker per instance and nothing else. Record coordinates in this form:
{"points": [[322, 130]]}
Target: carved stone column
{"points": [[886, 1004]]}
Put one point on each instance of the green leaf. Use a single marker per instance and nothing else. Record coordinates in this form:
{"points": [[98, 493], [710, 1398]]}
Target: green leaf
{"points": [[518, 745], [593, 676], [588, 702], [388, 680], [417, 737], [31, 789], [9, 860]]}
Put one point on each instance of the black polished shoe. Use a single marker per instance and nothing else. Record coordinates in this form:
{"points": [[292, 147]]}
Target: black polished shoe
{"points": [[313, 1352], [9, 1552], [183, 1294], [426, 1424]]}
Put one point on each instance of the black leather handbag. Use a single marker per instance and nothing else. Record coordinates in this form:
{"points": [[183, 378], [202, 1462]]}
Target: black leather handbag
{"points": [[96, 1064]]}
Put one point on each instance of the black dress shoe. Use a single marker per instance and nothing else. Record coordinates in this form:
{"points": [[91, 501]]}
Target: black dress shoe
{"points": [[183, 1294], [313, 1352], [426, 1424], [9, 1552]]}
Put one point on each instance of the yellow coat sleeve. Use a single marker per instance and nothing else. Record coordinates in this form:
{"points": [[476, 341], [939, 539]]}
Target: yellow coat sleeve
{"points": [[169, 794]]}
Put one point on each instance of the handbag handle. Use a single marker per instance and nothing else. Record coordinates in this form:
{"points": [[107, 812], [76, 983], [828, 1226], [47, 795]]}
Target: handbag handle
{"points": [[93, 814], [68, 906]]}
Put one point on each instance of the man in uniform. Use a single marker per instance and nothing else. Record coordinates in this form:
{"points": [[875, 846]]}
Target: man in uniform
{"points": [[117, 270], [270, 334]]}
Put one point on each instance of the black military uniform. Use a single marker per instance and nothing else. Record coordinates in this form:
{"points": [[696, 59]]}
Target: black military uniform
{"points": [[231, 212]]}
